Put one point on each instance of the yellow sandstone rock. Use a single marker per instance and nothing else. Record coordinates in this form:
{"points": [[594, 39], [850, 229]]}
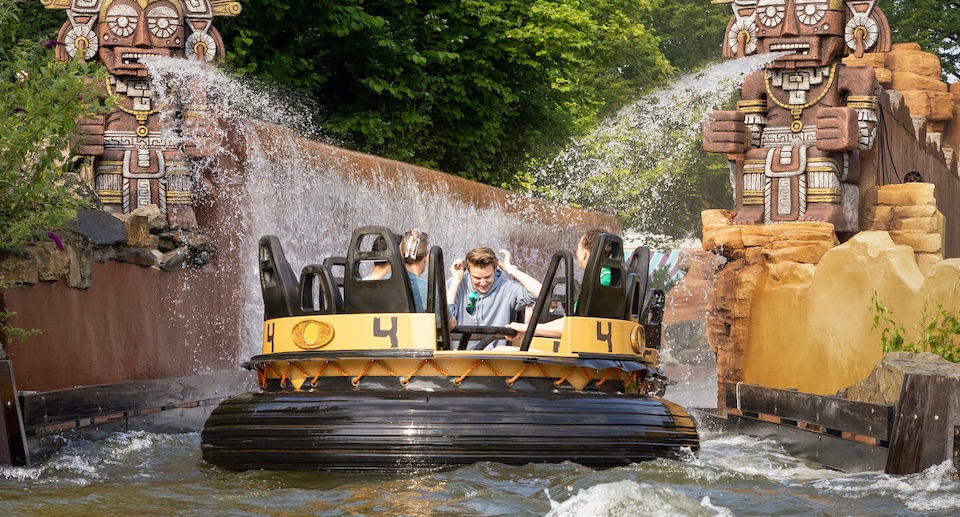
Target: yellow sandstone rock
{"points": [[910, 211], [812, 330], [903, 81], [906, 194], [908, 57], [926, 261], [916, 224]]}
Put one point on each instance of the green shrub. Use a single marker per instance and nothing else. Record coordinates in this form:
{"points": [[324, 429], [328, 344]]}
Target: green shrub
{"points": [[660, 279], [41, 100], [939, 331]]}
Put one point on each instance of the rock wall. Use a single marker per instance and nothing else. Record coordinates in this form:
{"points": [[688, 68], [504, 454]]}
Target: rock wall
{"points": [[917, 133], [686, 309], [792, 307], [909, 213]]}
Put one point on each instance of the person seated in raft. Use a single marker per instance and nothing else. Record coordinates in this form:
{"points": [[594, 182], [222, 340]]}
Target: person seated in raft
{"points": [[414, 248], [488, 296], [381, 270], [554, 328]]}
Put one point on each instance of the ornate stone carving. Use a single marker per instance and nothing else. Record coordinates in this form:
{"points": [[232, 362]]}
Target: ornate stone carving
{"points": [[135, 163], [794, 140]]}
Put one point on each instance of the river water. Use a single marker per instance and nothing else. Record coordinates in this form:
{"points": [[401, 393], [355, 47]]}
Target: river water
{"points": [[153, 474]]}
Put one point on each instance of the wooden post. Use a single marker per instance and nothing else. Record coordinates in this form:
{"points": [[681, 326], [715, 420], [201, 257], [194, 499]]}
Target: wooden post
{"points": [[927, 415], [13, 441]]}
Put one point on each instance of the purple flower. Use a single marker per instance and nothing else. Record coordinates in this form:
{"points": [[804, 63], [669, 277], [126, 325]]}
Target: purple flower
{"points": [[56, 239], [19, 110], [51, 43], [79, 96]]}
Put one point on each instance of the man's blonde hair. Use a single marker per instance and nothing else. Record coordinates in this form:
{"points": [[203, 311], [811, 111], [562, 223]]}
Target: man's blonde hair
{"points": [[481, 257]]}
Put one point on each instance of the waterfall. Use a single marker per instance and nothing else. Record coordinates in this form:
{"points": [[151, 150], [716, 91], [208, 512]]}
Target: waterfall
{"points": [[282, 180]]}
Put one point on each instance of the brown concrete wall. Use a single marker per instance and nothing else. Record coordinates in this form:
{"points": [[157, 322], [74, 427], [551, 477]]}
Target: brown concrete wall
{"points": [[133, 323]]}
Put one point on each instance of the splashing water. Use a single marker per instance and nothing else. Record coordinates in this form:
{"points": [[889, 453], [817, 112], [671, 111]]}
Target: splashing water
{"points": [[312, 195], [633, 161], [176, 80]]}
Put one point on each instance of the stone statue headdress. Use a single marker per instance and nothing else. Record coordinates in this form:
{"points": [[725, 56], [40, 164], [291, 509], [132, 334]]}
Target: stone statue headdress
{"points": [[865, 26], [80, 35]]}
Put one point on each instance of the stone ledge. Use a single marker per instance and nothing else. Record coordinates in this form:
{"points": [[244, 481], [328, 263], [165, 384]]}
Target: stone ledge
{"points": [[884, 384], [101, 236]]}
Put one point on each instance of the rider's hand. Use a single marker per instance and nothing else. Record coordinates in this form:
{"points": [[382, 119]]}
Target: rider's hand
{"points": [[457, 269], [505, 264]]}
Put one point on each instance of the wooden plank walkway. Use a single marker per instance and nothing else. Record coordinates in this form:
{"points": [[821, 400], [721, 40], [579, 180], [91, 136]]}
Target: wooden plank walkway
{"points": [[838, 433]]}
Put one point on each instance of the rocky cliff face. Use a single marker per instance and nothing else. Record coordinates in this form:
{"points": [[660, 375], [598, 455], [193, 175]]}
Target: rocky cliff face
{"points": [[791, 308]]}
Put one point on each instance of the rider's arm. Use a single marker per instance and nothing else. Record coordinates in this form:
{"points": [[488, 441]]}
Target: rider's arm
{"points": [[549, 329], [453, 285], [532, 285]]}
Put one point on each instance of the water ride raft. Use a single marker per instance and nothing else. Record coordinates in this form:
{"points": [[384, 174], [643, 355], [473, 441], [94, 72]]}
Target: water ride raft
{"points": [[353, 378]]}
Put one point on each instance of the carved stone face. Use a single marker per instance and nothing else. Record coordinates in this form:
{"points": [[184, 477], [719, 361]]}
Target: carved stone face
{"points": [[129, 32], [809, 28]]}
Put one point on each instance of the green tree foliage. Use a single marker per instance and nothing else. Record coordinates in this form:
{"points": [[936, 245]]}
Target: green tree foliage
{"points": [[646, 163], [933, 24], [473, 87], [660, 279], [41, 100], [27, 19], [691, 32]]}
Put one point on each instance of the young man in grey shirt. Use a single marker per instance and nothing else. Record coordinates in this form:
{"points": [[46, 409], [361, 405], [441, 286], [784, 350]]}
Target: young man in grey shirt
{"points": [[487, 295]]}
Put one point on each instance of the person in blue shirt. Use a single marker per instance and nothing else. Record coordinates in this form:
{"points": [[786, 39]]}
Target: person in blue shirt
{"points": [[414, 248], [482, 294]]}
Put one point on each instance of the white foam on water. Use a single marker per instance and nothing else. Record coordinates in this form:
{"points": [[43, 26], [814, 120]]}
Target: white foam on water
{"points": [[749, 456], [629, 498], [20, 473], [936, 489]]}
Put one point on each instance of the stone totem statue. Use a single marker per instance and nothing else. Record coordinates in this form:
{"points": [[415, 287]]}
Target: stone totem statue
{"points": [[794, 139], [136, 162]]}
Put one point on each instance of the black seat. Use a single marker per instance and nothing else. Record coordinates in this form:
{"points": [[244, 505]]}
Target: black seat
{"points": [[392, 294], [638, 267], [337, 267], [437, 296], [319, 293], [278, 282], [604, 301], [555, 294], [541, 309]]}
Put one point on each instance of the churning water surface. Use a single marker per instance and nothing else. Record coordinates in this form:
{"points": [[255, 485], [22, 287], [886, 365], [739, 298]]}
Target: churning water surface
{"points": [[140, 473]]}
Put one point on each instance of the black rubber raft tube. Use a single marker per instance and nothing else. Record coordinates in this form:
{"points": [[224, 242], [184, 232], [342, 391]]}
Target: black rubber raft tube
{"points": [[409, 430]]}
